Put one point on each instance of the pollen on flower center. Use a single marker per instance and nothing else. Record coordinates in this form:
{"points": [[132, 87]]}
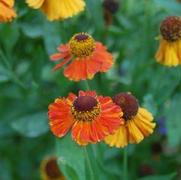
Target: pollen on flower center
{"points": [[82, 45], [85, 108], [171, 28], [128, 104]]}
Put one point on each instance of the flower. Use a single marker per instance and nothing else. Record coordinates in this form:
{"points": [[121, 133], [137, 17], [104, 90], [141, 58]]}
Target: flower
{"points": [[49, 169], [58, 9], [90, 117], [7, 12], [169, 51], [138, 122], [88, 57]]}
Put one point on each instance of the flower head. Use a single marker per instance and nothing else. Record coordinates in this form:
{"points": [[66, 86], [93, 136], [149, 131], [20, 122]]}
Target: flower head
{"points": [[58, 9], [90, 117], [7, 12], [169, 52], [85, 56], [138, 122], [49, 169]]}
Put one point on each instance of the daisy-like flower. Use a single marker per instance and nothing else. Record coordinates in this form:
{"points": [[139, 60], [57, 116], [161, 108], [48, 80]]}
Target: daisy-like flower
{"points": [[58, 9], [169, 51], [90, 117], [7, 12], [49, 169], [85, 56], [138, 122]]}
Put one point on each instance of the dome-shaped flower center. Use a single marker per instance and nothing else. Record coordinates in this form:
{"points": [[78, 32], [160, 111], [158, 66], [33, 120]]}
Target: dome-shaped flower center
{"points": [[128, 104], [171, 28], [85, 108], [82, 45], [51, 169]]}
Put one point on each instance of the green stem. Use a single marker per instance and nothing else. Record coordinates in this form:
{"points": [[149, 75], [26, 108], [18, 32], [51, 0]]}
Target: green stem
{"points": [[125, 164], [89, 163]]}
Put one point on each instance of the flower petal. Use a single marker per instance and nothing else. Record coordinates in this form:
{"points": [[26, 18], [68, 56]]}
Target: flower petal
{"points": [[60, 117]]}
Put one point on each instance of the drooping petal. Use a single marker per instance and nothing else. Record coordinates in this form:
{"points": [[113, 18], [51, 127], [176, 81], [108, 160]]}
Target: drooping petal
{"points": [[104, 57], [119, 139], [76, 70], [36, 4], [140, 126], [7, 13], [65, 61], [168, 53], [60, 117], [9, 3], [61, 9], [134, 133]]}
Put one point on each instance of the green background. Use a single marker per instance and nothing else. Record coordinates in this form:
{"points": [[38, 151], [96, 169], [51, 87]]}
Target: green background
{"points": [[28, 85]]}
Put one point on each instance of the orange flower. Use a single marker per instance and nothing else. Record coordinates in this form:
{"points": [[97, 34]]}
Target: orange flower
{"points": [[88, 57], [6, 10], [138, 122], [90, 117]]}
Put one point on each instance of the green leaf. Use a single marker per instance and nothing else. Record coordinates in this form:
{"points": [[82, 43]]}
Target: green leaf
{"points": [[9, 36], [70, 158], [95, 11], [32, 125], [51, 36], [161, 177], [32, 26], [173, 114], [150, 103]]}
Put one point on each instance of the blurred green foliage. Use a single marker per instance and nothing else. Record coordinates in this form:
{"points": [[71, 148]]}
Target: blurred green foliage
{"points": [[28, 85]]}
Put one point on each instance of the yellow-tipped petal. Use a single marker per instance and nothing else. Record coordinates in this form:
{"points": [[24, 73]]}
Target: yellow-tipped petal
{"points": [[62, 9], [119, 139], [135, 134], [9, 3], [6, 11], [169, 53], [142, 122], [36, 4]]}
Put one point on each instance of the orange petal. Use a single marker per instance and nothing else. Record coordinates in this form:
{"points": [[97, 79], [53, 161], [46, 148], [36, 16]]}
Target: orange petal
{"points": [[76, 70], [60, 117], [6, 13], [65, 61]]}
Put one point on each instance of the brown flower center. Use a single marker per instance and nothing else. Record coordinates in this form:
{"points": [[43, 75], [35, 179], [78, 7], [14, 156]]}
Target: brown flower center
{"points": [[81, 37], [85, 108], [128, 104], [171, 28], [52, 169], [82, 45]]}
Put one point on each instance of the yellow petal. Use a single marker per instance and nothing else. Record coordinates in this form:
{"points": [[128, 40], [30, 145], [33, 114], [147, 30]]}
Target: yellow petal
{"points": [[36, 4], [9, 3], [61, 9], [6, 13], [169, 53], [119, 138], [135, 135], [144, 122], [171, 58]]}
